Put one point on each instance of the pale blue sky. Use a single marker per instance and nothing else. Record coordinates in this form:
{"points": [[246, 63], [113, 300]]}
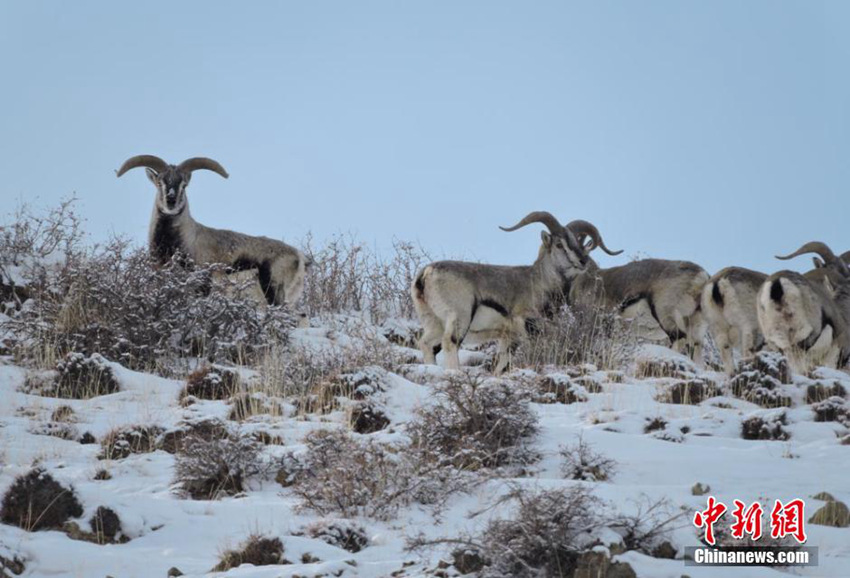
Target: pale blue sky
{"points": [[712, 131]]}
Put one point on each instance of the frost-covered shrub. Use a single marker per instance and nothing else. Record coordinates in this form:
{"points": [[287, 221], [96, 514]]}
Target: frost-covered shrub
{"points": [[759, 380], [832, 409], [127, 440], [648, 529], [245, 405], [577, 335], [63, 413], [558, 388], [348, 476], [208, 429], [343, 534], [544, 537], [257, 550], [212, 382], [81, 377], [367, 417], [475, 424], [114, 301], [36, 501], [820, 391], [582, 462], [347, 275], [690, 392], [208, 469], [34, 248], [768, 425]]}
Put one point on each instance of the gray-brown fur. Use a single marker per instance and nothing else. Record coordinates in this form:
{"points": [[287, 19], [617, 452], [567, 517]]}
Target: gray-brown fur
{"points": [[280, 267], [807, 316], [729, 306], [458, 300], [671, 289]]}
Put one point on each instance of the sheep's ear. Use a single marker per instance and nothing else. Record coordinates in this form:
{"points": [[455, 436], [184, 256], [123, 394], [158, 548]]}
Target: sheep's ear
{"points": [[546, 238], [818, 263], [152, 174]]}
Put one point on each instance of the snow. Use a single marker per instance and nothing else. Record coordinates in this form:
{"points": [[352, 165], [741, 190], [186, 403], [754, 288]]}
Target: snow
{"points": [[699, 443]]}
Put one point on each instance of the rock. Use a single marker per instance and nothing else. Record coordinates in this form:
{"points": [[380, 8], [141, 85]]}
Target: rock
{"points": [[700, 490], [173, 572], [665, 550], [833, 514], [597, 564], [467, 561]]}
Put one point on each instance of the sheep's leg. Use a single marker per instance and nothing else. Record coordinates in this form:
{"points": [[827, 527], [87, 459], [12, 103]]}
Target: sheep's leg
{"points": [[724, 344], [455, 330], [429, 343], [503, 356]]}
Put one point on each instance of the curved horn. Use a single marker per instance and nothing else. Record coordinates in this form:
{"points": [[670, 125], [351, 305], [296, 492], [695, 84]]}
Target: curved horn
{"points": [[197, 163], [823, 251], [149, 161], [845, 256], [581, 228], [539, 217]]}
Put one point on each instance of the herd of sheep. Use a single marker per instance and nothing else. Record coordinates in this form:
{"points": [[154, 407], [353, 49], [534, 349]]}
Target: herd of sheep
{"points": [[805, 316]]}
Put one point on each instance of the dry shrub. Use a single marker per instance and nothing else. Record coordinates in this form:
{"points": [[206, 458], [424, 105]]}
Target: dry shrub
{"points": [[760, 380], [212, 382], [475, 423], [127, 440], [690, 392], [113, 300], [648, 529], [209, 469], [582, 462], [81, 377], [367, 417], [341, 474], [832, 409], [654, 424], [821, 391], [63, 431], [344, 534], [558, 388], [208, 429], [36, 501], [349, 276], [578, 335], [767, 425], [314, 380], [245, 405], [34, 248], [544, 537], [652, 366], [105, 525], [256, 550], [63, 413]]}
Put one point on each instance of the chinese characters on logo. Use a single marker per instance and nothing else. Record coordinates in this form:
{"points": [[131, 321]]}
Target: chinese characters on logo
{"points": [[785, 520]]}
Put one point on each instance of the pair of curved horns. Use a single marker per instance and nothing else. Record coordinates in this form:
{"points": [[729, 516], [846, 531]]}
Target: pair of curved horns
{"points": [[824, 252], [581, 229], [159, 165]]}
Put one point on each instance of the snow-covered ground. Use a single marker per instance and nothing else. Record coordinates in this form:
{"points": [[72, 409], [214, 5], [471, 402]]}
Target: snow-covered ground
{"points": [[700, 443]]}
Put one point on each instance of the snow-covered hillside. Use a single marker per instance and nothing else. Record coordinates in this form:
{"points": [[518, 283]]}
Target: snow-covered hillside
{"points": [[658, 450]]}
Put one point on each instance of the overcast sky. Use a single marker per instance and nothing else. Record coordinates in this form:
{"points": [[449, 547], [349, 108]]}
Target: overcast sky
{"points": [[717, 132]]}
